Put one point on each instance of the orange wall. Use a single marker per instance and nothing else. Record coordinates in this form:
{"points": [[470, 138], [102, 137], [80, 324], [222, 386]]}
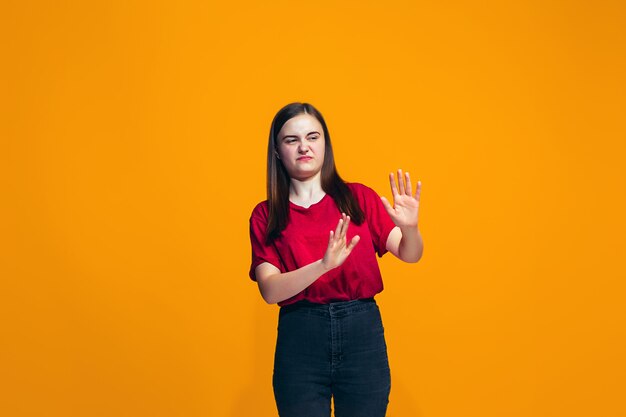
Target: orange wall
{"points": [[132, 153]]}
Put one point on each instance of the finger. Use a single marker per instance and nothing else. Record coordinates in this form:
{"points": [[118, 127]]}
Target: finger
{"points": [[344, 231], [409, 187], [353, 243], [418, 190], [339, 233], [400, 181], [344, 227], [330, 239], [338, 228], [392, 181]]}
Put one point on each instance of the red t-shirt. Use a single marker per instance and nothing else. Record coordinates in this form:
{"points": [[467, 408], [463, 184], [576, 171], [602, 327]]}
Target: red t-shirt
{"points": [[305, 240]]}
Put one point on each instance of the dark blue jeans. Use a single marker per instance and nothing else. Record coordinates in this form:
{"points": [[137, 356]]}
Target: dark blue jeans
{"points": [[337, 350]]}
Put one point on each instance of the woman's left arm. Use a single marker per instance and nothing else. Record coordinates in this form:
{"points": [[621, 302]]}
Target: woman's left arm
{"points": [[405, 240]]}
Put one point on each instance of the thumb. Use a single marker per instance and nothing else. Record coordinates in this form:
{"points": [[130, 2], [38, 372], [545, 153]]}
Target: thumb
{"points": [[353, 243], [387, 205]]}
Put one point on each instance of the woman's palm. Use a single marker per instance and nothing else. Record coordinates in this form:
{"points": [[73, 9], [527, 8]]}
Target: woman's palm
{"points": [[338, 248], [405, 210]]}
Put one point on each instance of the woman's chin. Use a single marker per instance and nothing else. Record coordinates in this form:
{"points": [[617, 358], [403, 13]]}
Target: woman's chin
{"points": [[304, 175]]}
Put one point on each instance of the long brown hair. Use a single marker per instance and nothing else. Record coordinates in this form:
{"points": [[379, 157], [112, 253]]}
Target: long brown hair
{"points": [[278, 178]]}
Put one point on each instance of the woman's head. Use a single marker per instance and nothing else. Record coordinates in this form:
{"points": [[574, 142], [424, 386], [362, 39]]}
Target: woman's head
{"points": [[299, 145]]}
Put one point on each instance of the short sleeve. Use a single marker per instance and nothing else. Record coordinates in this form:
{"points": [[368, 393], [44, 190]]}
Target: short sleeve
{"points": [[378, 220], [261, 252]]}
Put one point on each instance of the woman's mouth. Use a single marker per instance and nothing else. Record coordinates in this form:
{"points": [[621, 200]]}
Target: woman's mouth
{"points": [[304, 158]]}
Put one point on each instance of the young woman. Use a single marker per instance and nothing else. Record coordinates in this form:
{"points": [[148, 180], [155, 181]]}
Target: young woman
{"points": [[314, 245]]}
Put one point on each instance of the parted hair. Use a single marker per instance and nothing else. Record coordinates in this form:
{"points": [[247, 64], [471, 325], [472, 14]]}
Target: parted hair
{"points": [[278, 178]]}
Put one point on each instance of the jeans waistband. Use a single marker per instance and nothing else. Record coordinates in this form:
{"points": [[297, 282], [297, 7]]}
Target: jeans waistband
{"points": [[332, 308]]}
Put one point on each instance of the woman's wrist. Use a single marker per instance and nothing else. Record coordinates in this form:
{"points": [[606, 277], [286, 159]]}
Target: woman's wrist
{"points": [[411, 244], [409, 230], [325, 268]]}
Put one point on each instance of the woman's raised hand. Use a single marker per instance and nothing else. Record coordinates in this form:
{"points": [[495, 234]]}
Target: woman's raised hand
{"points": [[337, 250], [404, 213]]}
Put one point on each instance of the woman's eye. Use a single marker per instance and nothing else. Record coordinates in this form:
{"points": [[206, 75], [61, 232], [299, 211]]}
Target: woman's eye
{"points": [[313, 137]]}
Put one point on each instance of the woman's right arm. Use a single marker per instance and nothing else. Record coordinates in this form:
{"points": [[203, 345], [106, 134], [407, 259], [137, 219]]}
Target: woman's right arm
{"points": [[276, 286]]}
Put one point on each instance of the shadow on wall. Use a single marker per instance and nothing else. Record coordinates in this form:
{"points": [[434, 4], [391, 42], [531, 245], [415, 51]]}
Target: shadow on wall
{"points": [[401, 401], [256, 396]]}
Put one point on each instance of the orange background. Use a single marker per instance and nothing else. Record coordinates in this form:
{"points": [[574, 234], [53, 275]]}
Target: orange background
{"points": [[133, 138]]}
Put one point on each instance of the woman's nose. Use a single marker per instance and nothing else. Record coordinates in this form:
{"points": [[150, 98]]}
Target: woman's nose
{"points": [[303, 147]]}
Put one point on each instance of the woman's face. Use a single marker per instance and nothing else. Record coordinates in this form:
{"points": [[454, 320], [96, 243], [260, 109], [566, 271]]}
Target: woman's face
{"points": [[301, 146]]}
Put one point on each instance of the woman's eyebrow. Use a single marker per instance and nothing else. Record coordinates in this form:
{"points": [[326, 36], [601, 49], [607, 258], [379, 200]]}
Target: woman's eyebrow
{"points": [[295, 136]]}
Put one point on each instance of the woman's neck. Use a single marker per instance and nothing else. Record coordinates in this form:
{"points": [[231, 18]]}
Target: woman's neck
{"points": [[306, 191]]}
